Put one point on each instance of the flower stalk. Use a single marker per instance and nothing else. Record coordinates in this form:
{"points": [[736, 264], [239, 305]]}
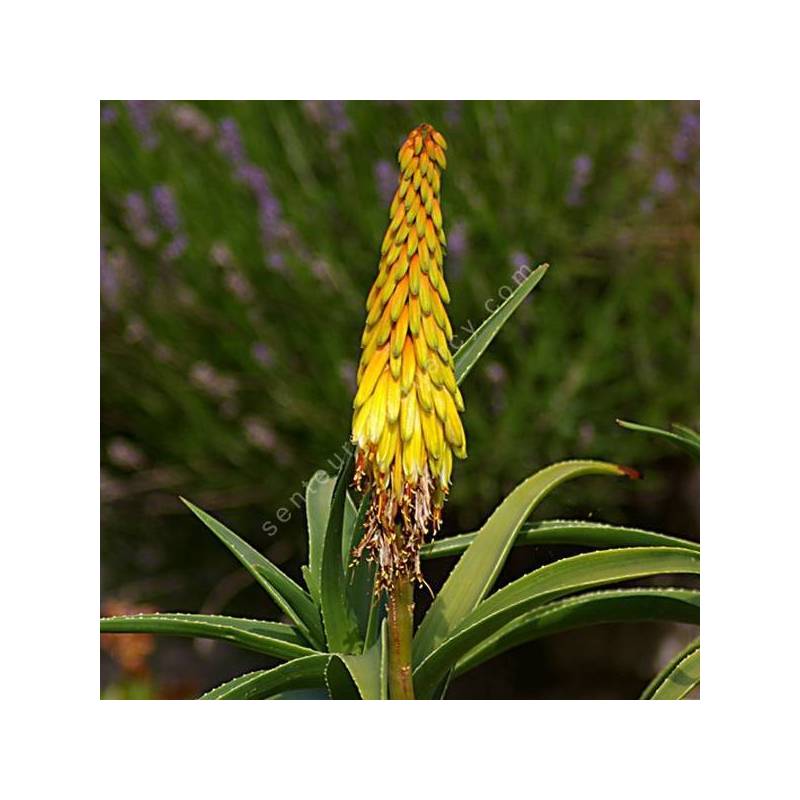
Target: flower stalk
{"points": [[400, 613]]}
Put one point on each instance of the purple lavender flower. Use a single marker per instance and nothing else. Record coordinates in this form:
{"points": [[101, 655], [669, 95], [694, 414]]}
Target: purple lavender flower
{"points": [[136, 211], [520, 259], [322, 271], [221, 254], [124, 454], [338, 121], [347, 374], [137, 220], [457, 247], [331, 115], [664, 182], [141, 113], [166, 207], [239, 285], [495, 372], [314, 110], [687, 139], [262, 354], [207, 378], [269, 212], [176, 247], [191, 120], [452, 112], [274, 230], [136, 331], [259, 434], [385, 180], [277, 262], [108, 114], [582, 166], [230, 141], [255, 179], [109, 279], [457, 242]]}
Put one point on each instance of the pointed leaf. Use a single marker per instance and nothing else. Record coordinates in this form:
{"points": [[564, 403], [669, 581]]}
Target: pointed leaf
{"points": [[687, 442], [663, 675], [547, 583], [272, 638], [341, 684], [476, 571], [359, 577], [683, 678], [570, 532], [468, 354], [351, 526], [289, 597], [368, 672], [375, 618], [686, 431], [341, 625], [614, 605], [318, 505], [302, 673]]}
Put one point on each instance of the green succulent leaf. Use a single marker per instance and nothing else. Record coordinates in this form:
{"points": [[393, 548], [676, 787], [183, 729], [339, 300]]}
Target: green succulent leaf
{"points": [[477, 570], [545, 584], [360, 577], [686, 431], [340, 681], [683, 437], [302, 673], [318, 506], [302, 694], [272, 638], [376, 616], [613, 605], [681, 680], [369, 672], [352, 525], [468, 354], [678, 677], [569, 532], [291, 598], [341, 623]]}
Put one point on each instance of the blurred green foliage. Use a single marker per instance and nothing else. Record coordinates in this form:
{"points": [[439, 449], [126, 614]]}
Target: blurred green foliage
{"points": [[238, 243]]}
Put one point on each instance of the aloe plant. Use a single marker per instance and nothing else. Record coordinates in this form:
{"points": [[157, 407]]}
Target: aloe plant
{"points": [[335, 643]]}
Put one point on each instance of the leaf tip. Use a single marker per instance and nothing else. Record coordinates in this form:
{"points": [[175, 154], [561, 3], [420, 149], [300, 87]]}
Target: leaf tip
{"points": [[630, 472]]}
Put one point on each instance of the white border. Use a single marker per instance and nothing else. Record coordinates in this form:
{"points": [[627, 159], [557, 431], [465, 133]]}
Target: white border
{"points": [[60, 58]]}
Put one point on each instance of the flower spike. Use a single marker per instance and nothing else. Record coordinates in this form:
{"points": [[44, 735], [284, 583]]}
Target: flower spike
{"points": [[406, 420]]}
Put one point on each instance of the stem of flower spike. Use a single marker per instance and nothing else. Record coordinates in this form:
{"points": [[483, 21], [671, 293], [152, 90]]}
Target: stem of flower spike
{"points": [[401, 630]]}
